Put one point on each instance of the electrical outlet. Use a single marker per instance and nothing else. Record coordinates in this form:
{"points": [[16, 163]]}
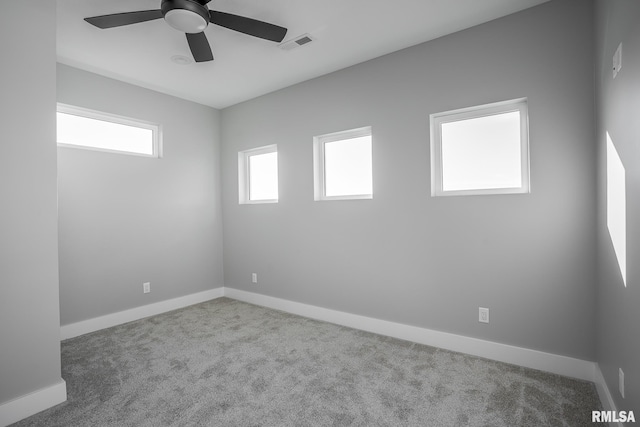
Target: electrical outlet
{"points": [[146, 287], [254, 278], [621, 382], [483, 315]]}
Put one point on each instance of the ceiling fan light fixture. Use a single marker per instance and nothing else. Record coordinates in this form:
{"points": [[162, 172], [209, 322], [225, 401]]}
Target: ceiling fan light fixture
{"points": [[185, 21], [187, 16]]}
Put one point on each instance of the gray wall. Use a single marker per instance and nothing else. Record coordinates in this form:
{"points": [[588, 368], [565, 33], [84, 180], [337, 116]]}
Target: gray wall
{"points": [[125, 220], [29, 314], [405, 256], [618, 113]]}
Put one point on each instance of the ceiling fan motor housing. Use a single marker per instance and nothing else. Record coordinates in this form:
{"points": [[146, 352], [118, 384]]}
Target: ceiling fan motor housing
{"points": [[187, 16]]}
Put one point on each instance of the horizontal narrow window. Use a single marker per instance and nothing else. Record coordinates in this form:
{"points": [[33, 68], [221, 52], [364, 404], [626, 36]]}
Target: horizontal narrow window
{"points": [[95, 130]]}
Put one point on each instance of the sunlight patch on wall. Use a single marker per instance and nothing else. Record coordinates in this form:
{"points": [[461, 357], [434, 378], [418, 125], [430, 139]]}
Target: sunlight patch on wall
{"points": [[617, 206]]}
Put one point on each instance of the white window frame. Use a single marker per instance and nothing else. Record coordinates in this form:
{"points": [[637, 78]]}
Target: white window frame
{"points": [[438, 119], [243, 174], [155, 128], [319, 162]]}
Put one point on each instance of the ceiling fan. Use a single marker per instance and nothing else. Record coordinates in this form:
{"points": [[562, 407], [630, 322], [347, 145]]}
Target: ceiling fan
{"points": [[192, 17]]}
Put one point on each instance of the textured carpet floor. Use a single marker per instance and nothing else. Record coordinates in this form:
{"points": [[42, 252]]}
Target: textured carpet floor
{"points": [[227, 363]]}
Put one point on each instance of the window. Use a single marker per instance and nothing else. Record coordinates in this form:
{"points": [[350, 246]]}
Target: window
{"points": [[94, 130], [617, 206], [258, 175], [343, 165], [480, 150]]}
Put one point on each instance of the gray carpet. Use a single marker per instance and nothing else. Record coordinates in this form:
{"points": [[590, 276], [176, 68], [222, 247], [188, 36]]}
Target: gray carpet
{"points": [[227, 363]]}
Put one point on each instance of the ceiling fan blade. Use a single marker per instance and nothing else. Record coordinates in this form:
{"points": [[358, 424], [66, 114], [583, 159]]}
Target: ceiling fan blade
{"points": [[203, 2], [199, 46], [127, 18], [249, 26]]}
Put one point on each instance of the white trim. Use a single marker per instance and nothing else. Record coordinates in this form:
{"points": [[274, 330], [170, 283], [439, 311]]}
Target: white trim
{"points": [[32, 403], [557, 364], [605, 395], [438, 119], [91, 325], [562, 365]]}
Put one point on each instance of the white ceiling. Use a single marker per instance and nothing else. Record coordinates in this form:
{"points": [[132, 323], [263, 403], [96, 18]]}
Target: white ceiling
{"points": [[345, 32]]}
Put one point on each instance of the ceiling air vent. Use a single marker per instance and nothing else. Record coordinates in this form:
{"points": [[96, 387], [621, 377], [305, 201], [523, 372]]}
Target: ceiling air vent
{"points": [[297, 42]]}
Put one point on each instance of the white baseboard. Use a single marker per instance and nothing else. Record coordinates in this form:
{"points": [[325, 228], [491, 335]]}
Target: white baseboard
{"points": [[91, 325], [562, 365], [40, 400], [557, 364], [32, 403], [604, 394]]}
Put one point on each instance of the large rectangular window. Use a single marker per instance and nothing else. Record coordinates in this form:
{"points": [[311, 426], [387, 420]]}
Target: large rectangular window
{"points": [[258, 175], [343, 165], [94, 130], [481, 150]]}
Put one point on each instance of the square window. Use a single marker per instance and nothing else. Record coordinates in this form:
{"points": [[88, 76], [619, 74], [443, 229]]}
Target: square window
{"points": [[95, 130], [258, 175], [480, 150], [343, 165]]}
